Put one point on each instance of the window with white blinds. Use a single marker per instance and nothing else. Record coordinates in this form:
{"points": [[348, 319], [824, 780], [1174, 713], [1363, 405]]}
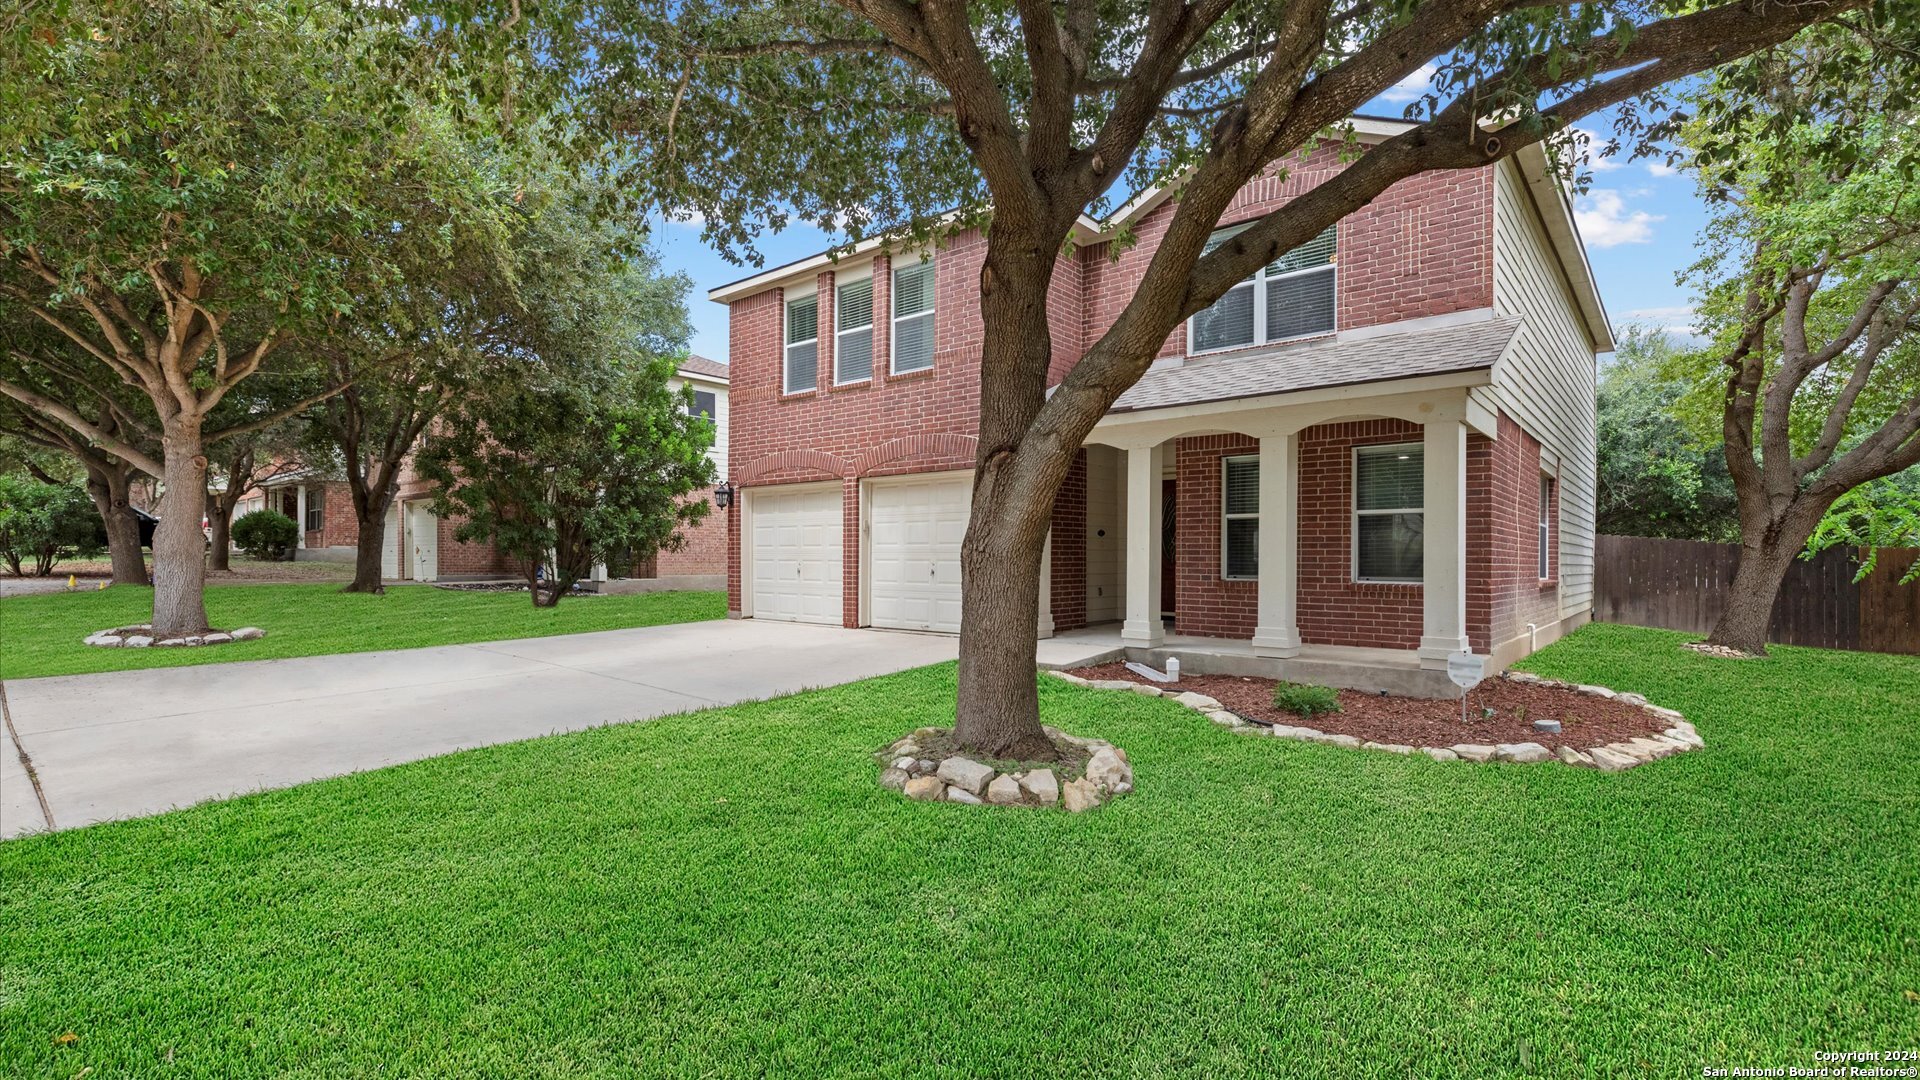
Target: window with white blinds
{"points": [[913, 317], [1291, 297], [1389, 499], [1240, 518], [853, 332], [803, 344]]}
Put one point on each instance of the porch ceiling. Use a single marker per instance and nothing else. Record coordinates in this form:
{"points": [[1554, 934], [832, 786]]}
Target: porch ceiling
{"points": [[1313, 365]]}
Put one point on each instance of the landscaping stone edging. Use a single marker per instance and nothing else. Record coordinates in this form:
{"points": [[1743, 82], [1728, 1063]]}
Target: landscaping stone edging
{"points": [[1679, 737], [960, 779], [141, 636]]}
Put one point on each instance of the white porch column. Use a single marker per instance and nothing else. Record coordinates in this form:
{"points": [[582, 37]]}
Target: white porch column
{"points": [[1278, 633], [300, 515], [1444, 551], [1046, 587], [1144, 466]]}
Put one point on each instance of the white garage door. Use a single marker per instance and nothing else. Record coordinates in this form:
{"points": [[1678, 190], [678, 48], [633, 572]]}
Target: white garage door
{"points": [[916, 528], [796, 554]]}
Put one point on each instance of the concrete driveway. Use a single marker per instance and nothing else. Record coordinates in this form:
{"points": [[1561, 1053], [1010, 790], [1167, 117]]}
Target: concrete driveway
{"points": [[130, 743]]}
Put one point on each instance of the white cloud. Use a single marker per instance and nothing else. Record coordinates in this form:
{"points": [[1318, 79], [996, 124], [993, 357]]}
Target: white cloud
{"points": [[1606, 222], [1587, 147], [1661, 168], [1411, 87], [1673, 320]]}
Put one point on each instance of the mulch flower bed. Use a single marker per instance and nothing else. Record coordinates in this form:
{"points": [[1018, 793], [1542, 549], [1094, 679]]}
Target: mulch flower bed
{"points": [[1585, 721]]}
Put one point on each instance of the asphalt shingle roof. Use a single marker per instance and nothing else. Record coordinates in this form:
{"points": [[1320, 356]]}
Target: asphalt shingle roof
{"points": [[1328, 362], [700, 365]]}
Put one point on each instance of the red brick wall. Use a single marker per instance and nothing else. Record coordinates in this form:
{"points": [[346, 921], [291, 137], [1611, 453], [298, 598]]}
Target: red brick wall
{"points": [[338, 527], [1504, 588], [1423, 247], [460, 559], [705, 551], [1333, 608], [922, 421], [1204, 601], [1068, 571]]}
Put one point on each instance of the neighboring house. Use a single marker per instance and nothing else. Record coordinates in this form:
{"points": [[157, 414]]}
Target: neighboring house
{"points": [[702, 562], [1376, 452], [421, 547]]}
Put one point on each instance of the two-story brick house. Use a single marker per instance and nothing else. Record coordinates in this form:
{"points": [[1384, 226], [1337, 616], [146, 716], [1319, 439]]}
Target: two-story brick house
{"points": [[1375, 452], [419, 546]]}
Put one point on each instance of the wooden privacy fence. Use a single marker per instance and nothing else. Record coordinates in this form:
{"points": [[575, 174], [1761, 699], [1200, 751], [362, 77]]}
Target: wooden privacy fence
{"points": [[1683, 585]]}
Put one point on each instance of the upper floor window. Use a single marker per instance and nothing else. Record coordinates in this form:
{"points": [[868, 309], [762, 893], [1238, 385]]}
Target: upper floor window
{"points": [[803, 344], [1291, 297], [853, 332], [1240, 518], [1389, 504], [913, 317], [705, 403]]}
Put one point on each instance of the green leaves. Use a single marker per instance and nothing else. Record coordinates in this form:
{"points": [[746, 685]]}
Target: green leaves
{"points": [[1876, 516]]}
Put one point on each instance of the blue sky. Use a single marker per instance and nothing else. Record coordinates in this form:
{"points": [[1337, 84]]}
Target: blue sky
{"points": [[1639, 220]]}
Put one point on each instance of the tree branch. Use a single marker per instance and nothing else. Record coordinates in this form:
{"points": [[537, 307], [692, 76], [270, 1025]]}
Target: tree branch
{"points": [[273, 418], [48, 407]]}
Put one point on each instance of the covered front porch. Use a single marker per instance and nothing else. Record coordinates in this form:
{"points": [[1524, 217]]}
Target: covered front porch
{"points": [[1318, 535]]}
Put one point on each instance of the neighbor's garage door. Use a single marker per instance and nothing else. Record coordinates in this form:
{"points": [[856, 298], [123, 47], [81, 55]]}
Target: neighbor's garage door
{"points": [[796, 553], [916, 524]]}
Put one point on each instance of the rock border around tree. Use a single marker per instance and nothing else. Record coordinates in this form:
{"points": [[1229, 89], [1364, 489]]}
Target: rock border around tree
{"points": [[910, 769], [1677, 738], [141, 636]]}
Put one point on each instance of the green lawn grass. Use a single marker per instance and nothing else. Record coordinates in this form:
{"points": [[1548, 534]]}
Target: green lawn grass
{"points": [[729, 893], [41, 634]]}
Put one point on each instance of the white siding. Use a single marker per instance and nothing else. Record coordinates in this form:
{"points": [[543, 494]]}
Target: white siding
{"points": [[718, 452], [1547, 382], [1106, 555]]}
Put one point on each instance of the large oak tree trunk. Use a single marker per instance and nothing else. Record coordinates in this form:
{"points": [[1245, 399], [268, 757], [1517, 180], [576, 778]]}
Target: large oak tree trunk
{"points": [[179, 547], [110, 488], [220, 538], [1015, 480], [370, 549], [1767, 549]]}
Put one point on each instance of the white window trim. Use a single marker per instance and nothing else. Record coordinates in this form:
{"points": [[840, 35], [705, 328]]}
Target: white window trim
{"points": [[894, 320], [786, 350], [1546, 527], [1353, 555], [1259, 283], [1226, 517], [840, 332]]}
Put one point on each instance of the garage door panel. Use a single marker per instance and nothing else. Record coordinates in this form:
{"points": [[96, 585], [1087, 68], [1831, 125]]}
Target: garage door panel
{"points": [[796, 555], [915, 528]]}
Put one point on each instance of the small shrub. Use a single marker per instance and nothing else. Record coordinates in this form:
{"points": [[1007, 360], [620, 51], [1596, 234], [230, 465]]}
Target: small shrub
{"points": [[1305, 701], [265, 534], [40, 524]]}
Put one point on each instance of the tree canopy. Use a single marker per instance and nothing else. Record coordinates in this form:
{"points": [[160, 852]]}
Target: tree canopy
{"points": [[187, 186], [1809, 278]]}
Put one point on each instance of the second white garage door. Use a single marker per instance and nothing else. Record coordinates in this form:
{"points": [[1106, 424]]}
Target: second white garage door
{"points": [[796, 554], [916, 525]]}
